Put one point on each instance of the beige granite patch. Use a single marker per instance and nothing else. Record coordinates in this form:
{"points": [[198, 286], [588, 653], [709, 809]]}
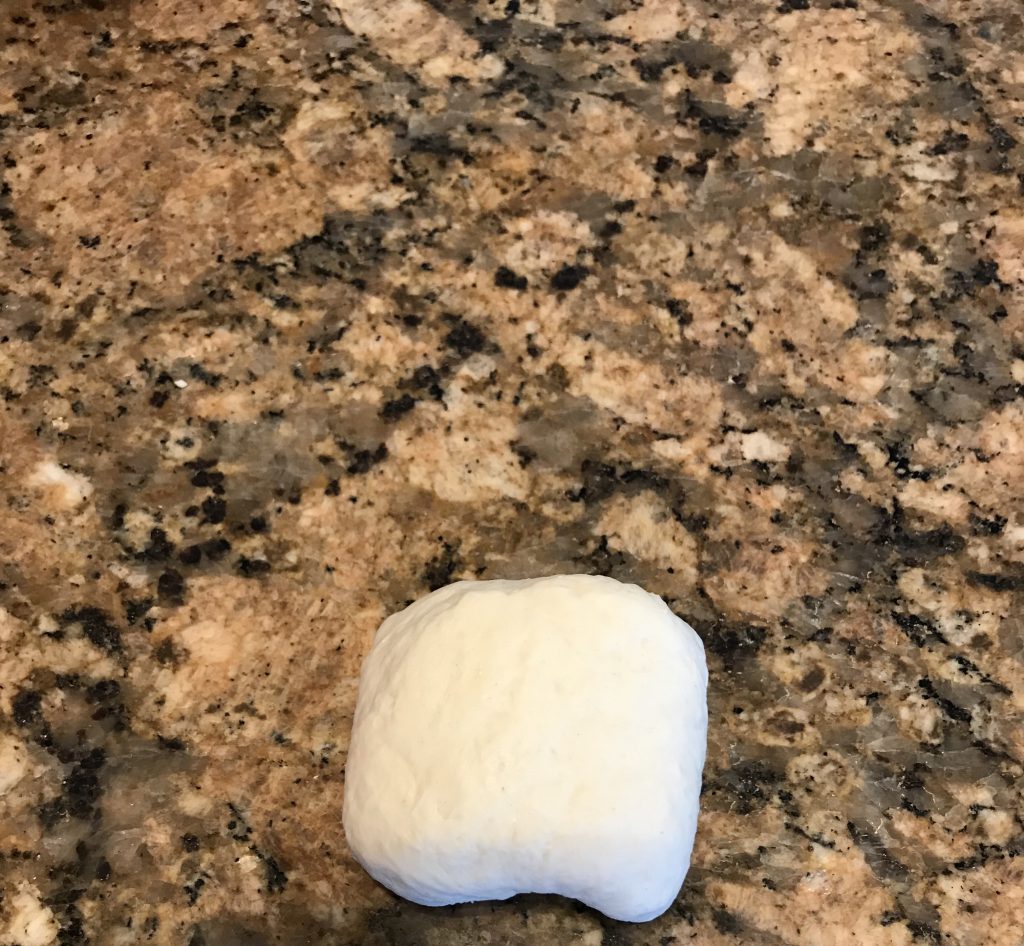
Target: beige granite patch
{"points": [[139, 181], [646, 529], [415, 35]]}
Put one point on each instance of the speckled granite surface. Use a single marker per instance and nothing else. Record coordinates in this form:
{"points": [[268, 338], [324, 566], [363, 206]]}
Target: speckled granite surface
{"points": [[311, 305]]}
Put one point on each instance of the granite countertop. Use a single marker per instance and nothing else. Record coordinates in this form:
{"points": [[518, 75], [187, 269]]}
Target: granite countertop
{"points": [[310, 306]]}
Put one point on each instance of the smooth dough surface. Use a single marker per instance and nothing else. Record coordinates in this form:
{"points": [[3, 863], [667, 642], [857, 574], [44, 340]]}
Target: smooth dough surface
{"points": [[542, 736]]}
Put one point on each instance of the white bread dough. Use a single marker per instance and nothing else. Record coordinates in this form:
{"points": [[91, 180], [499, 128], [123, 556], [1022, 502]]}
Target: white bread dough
{"points": [[539, 736]]}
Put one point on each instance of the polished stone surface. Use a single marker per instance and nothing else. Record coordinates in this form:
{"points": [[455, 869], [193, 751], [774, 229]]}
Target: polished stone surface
{"points": [[309, 306]]}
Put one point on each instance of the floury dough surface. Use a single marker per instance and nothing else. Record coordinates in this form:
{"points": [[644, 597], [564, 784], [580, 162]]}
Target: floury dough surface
{"points": [[530, 736], [724, 298]]}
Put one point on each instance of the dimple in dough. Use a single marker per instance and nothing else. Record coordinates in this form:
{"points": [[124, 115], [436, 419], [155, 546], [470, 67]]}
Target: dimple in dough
{"points": [[541, 736]]}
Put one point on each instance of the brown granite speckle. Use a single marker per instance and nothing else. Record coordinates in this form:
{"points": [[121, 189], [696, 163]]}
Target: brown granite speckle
{"points": [[307, 308]]}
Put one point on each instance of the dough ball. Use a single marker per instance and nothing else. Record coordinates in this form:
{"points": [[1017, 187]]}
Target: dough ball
{"points": [[541, 736]]}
